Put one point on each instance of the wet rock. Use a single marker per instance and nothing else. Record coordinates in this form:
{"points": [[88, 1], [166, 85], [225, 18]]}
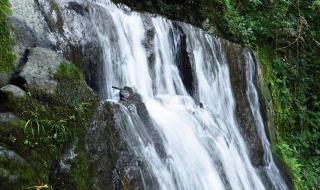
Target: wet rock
{"points": [[126, 93], [148, 42], [134, 103], [40, 68], [266, 104], [89, 58], [14, 91], [60, 178], [236, 59], [60, 171], [79, 41], [113, 163], [285, 172], [183, 60]]}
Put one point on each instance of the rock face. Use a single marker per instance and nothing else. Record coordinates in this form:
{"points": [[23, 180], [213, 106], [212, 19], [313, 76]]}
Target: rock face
{"points": [[184, 61], [26, 10], [72, 32], [267, 109], [236, 60], [40, 68], [30, 28], [134, 103], [113, 163]]}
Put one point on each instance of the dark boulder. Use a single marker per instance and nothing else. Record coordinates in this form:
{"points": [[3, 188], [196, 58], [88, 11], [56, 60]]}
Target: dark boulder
{"points": [[183, 60], [113, 162]]}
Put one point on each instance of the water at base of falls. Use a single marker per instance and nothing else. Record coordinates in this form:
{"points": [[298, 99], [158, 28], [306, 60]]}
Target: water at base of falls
{"points": [[195, 120]]}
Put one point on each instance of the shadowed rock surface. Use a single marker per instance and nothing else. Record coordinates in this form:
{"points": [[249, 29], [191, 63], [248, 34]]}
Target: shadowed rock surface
{"points": [[113, 163], [236, 61]]}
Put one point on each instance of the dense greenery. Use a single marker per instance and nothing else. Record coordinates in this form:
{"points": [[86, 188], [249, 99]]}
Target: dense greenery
{"points": [[6, 56], [286, 36]]}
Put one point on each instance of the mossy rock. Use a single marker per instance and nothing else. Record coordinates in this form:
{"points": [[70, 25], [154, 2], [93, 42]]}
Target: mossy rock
{"points": [[265, 93], [19, 166], [69, 107], [15, 172]]}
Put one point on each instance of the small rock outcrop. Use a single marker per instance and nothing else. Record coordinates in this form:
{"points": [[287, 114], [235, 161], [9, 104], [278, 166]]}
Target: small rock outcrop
{"points": [[12, 90], [40, 68]]}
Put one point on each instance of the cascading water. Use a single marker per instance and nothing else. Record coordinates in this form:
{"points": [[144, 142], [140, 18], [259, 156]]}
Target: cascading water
{"points": [[252, 94], [203, 147]]}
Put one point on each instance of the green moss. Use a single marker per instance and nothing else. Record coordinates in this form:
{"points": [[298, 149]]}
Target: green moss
{"points": [[32, 170], [291, 161], [7, 57], [68, 72], [280, 93], [15, 173]]}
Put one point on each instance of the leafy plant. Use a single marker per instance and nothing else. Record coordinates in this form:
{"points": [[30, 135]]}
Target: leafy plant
{"points": [[45, 129], [288, 154]]}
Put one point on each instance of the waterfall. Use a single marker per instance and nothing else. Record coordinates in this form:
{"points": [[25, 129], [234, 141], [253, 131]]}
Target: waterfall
{"points": [[253, 97], [193, 113]]}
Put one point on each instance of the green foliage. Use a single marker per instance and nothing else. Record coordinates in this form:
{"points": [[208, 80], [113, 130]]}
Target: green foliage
{"points": [[289, 156], [7, 57], [45, 129], [50, 124], [296, 127]]}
